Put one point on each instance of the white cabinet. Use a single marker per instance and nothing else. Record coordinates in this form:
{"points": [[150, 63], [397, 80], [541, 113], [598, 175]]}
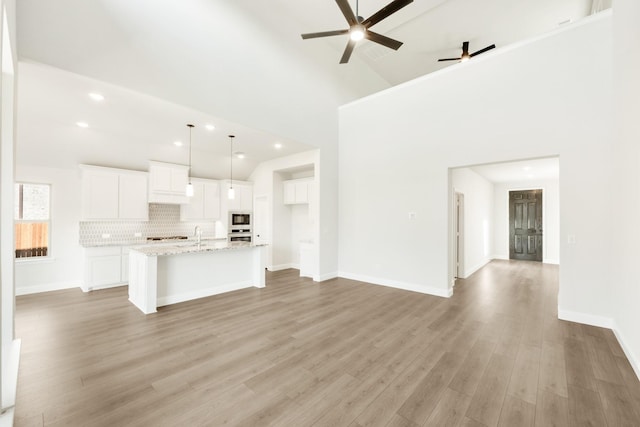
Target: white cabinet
{"points": [[243, 200], [297, 191], [205, 203], [111, 194], [167, 183], [105, 267]]}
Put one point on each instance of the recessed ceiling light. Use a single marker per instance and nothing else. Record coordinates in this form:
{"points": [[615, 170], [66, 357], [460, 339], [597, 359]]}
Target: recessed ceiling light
{"points": [[82, 124], [239, 154], [530, 176], [277, 145], [96, 96], [177, 143], [209, 127], [526, 168]]}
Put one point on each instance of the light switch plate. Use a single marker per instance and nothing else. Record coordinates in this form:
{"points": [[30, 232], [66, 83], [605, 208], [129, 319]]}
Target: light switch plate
{"points": [[413, 215]]}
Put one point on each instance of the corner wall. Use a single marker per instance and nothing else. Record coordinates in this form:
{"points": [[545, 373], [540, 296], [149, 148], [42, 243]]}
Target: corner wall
{"points": [[545, 97]]}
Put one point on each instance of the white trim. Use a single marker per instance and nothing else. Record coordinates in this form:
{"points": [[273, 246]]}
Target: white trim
{"points": [[47, 287], [326, 276], [100, 287], [280, 267], [603, 322], [585, 318], [551, 261], [476, 268], [500, 257], [10, 374], [414, 287], [202, 293], [633, 360]]}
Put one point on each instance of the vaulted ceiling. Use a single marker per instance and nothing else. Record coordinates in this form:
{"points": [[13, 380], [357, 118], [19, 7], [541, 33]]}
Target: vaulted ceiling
{"points": [[241, 63]]}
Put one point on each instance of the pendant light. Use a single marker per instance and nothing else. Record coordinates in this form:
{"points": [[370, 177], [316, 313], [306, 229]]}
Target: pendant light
{"points": [[189, 189], [232, 193]]}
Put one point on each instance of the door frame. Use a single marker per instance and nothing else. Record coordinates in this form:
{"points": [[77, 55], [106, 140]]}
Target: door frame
{"points": [[544, 206], [458, 237]]}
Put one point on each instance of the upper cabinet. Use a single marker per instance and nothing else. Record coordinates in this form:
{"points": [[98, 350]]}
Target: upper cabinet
{"points": [[298, 191], [167, 183], [109, 193], [205, 203], [243, 200]]}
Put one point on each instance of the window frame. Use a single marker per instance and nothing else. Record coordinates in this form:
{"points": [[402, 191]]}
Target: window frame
{"points": [[30, 259]]}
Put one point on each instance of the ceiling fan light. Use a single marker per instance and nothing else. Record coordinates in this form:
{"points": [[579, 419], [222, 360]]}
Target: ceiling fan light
{"points": [[357, 32], [465, 58]]}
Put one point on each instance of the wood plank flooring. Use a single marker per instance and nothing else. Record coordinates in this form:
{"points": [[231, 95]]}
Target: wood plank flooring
{"points": [[339, 353]]}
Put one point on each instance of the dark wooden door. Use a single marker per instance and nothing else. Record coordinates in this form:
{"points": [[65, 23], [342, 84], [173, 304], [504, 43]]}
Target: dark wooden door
{"points": [[525, 225]]}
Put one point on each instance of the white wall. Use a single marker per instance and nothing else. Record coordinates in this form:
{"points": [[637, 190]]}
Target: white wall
{"points": [[267, 179], [478, 218], [550, 218], [63, 268], [546, 97], [624, 284]]}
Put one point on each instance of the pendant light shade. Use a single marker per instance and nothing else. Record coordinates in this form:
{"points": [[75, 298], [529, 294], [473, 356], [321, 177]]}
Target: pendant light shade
{"points": [[231, 194], [189, 189]]}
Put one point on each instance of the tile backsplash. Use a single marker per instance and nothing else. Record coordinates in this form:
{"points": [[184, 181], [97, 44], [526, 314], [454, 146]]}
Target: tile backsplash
{"points": [[164, 220]]}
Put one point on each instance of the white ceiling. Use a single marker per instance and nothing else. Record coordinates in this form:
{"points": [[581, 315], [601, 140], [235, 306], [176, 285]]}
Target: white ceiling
{"points": [[216, 61], [520, 171]]}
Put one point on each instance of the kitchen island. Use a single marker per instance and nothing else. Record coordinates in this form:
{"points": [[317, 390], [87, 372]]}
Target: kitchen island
{"points": [[163, 275]]}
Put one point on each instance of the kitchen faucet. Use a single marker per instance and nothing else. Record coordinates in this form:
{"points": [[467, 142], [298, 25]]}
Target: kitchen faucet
{"points": [[198, 234]]}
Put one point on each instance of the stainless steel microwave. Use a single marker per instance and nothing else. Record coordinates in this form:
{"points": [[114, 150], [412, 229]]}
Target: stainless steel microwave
{"points": [[239, 219]]}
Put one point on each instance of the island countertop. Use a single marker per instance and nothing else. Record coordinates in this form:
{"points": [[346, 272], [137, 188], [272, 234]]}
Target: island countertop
{"points": [[192, 247]]}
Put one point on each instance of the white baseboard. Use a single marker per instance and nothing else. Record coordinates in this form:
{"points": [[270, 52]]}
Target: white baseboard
{"points": [[281, 267], [633, 360], [428, 290], [587, 319], [502, 257], [326, 276], [47, 287], [202, 293], [603, 322], [476, 268], [98, 288], [551, 261]]}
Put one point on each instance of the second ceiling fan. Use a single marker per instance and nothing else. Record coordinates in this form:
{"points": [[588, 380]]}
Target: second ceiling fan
{"points": [[359, 27], [465, 53]]}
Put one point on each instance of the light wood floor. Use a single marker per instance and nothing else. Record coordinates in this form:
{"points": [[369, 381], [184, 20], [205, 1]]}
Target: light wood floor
{"points": [[340, 353]]}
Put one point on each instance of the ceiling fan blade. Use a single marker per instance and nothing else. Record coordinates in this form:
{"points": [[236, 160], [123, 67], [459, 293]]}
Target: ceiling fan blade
{"points": [[324, 34], [383, 40], [389, 9], [483, 50], [465, 49], [449, 59], [347, 12], [347, 52]]}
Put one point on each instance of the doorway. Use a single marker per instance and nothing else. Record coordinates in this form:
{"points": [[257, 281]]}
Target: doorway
{"points": [[525, 225], [459, 234]]}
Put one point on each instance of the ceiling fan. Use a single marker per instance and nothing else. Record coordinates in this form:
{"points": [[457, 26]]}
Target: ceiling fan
{"points": [[465, 53], [359, 27]]}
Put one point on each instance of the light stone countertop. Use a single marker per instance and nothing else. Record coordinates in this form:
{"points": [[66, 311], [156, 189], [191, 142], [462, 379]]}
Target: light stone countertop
{"points": [[192, 247], [144, 242]]}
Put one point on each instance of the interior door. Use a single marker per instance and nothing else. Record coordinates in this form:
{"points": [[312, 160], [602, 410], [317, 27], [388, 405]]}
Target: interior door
{"points": [[525, 225]]}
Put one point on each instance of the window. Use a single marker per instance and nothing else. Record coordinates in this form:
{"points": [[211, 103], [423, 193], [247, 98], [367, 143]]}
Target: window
{"points": [[31, 214]]}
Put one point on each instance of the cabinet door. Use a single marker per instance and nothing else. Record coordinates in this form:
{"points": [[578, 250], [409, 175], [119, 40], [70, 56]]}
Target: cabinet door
{"points": [[179, 180], [211, 206], [133, 197], [246, 199], [161, 178], [124, 263], [289, 192], [301, 192], [194, 209], [104, 270], [100, 195]]}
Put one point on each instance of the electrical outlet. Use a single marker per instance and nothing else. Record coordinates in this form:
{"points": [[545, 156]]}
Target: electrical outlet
{"points": [[571, 239], [413, 215], [137, 234], [106, 235]]}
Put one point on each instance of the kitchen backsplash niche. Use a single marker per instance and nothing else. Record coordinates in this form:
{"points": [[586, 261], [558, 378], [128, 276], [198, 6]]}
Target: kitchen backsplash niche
{"points": [[164, 220]]}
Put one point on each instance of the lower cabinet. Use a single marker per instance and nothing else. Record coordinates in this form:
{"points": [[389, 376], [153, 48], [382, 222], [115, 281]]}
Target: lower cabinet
{"points": [[105, 267]]}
